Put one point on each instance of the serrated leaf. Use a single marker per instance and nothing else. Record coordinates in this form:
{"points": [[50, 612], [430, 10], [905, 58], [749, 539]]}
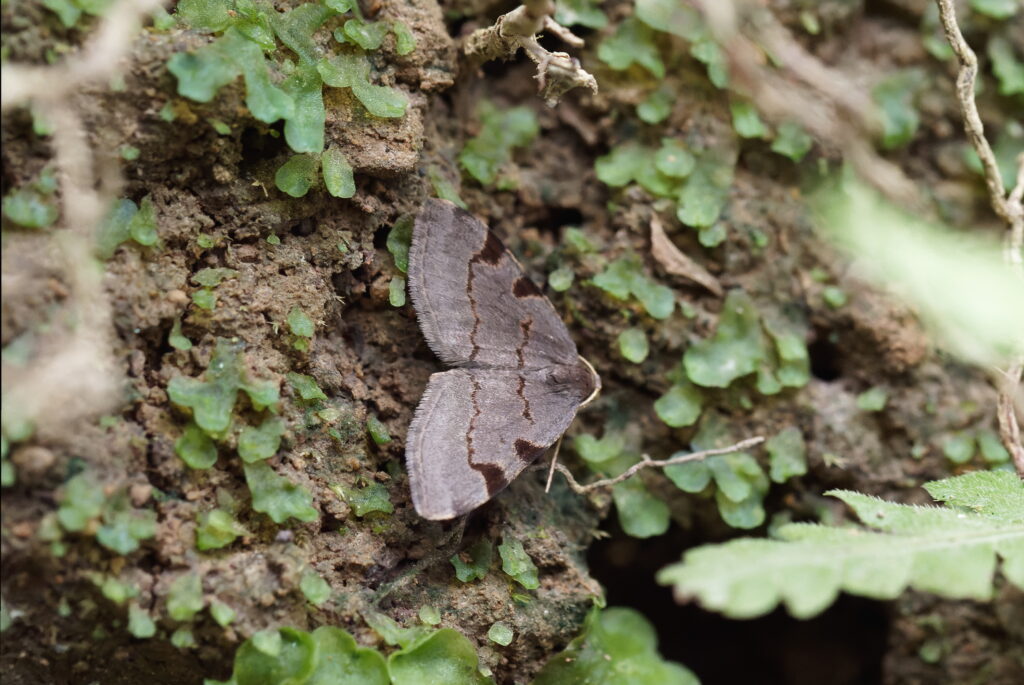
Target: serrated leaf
{"points": [[950, 552]]}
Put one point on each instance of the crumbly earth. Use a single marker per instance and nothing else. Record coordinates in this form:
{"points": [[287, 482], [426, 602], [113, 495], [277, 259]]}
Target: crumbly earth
{"points": [[370, 359]]}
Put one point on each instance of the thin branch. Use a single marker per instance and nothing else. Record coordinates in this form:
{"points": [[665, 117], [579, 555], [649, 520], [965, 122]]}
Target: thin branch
{"points": [[1009, 428], [829, 104], [1013, 215], [557, 72], [647, 462], [1008, 206]]}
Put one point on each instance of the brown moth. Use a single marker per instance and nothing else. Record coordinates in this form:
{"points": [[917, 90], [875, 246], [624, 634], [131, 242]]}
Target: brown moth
{"points": [[518, 380]]}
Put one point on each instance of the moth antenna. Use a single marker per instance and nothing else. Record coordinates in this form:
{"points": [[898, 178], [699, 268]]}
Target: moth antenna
{"points": [[554, 461]]}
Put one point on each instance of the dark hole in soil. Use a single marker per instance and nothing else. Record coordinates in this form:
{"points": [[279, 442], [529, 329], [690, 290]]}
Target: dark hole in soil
{"points": [[557, 217], [380, 236], [257, 146], [842, 646], [825, 357], [305, 227]]}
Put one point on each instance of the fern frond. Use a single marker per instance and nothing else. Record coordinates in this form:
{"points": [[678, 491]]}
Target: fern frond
{"points": [[951, 551]]}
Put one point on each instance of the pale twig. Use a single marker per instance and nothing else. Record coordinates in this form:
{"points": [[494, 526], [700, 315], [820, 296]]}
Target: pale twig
{"points": [[1008, 206], [647, 462], [557, 72], [834, 109], [95, 62]]}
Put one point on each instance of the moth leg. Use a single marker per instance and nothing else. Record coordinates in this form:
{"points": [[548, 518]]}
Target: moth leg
{"points": [[554, 461]]}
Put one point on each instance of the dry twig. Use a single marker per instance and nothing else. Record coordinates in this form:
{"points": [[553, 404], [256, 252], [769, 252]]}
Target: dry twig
{"points": [[647, 462], [557, 72], [1008, 206], [828, 104]]}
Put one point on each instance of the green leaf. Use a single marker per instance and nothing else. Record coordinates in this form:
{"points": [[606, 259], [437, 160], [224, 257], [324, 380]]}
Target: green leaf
{"points": [[396, 291], [691, 476], [196, 448], [443, 188], [222, 613], [337, 173], [29, 208], [959, 448], [516, 563], [561, 279], [474, 562], [176, 339], [115, 228], [185, 597], [429, 615], [306, 387], [212, 400], [792, 141], [277, 497], [405, 41], [625, 276], [833, 296], [266, 101], [290, 658], [746, 121], [632, 43], [299, 323], [673, 159], [872, 399], [377, 430], [183, 638], [140, 624], [340, 661], [599, 451], [366, 500], [997, 9], [367, 35], [203, 72], [946, 551], [736, 348], [1007, 66], [256, 444], [68, 12], [216, 529], [81, 502], [295, 28], [672, 17], [657, 106], [787, 454], [501, 130], [315, 588], [680, 406], [208, 16], [123, 526], [580, 12], [399, 240], [444, 656], [992, 449], [500, 633], [304, 130], [211, 277], [706, 191], [296, 176], [633, 344], [618, 645], [710, 53], [712, 236], [641, 514], [895, 96], [381, 101]]}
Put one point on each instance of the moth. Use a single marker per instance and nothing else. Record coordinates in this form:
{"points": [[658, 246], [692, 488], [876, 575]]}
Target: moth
{"points": [[518, 380]]}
